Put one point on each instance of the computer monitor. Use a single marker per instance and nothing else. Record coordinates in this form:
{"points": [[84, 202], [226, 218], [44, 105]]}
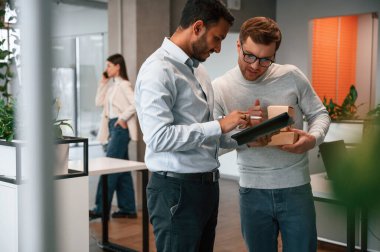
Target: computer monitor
{"points": [[333, 154]]}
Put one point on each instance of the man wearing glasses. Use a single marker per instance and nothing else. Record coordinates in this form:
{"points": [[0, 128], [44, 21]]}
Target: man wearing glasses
{"points": [[275, 191]]}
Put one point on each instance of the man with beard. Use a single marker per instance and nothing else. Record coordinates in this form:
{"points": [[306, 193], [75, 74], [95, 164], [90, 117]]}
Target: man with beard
{"points": [[275, 191], [174, 103]]}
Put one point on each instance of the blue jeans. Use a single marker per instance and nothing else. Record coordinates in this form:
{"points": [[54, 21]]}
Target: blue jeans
{"points": [[122, 183], [266, 212]]}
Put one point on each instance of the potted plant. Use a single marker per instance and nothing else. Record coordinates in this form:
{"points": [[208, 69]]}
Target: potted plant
{"points": [[345, 123], [346, 111], [7, 61], [10, 146], [6, 120], [61, 149]]}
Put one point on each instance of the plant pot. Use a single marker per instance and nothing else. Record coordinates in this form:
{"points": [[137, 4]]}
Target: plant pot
{"points": [[14, 169], [11, 157], [61, 159]]}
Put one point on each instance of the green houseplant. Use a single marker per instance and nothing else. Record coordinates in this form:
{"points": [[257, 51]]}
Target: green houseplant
{"points": [[7, 100], [7, 61], [59, 123], [6, 120], [346, 111]]}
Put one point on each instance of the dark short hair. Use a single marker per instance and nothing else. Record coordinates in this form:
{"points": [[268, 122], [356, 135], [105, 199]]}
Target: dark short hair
{"points": [[262, 30], [209, 11], [118, 59]]}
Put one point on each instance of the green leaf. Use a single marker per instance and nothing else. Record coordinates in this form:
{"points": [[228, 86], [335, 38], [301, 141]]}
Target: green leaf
{"points": [[61, 120], [58, 132], [66, 124]]}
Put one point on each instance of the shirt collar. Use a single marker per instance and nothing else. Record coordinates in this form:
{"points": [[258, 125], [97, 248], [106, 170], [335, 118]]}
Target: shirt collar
{"points": [[117, 79], [177, 53]]}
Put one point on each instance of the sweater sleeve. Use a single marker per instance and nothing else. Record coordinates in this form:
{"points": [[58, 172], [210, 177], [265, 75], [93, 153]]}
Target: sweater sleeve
{"points": [[315, 112]]}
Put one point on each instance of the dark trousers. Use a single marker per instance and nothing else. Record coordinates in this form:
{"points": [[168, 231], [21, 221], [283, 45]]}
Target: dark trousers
{"points": [[122, 183], [183, 213]]}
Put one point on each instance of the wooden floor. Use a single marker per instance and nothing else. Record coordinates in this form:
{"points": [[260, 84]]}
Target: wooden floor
{"points": [[127, 232]]}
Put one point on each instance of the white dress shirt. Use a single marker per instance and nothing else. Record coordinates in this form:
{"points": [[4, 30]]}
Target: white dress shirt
{"points": [[174, 104]]}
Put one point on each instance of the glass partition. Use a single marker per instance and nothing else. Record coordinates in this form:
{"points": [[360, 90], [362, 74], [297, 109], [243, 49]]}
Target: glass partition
{"points": [[77, 66]]}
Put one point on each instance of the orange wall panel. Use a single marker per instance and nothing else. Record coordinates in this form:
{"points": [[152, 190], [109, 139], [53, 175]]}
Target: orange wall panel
{"points": [[334, 56], [347, 55], [324, 67]]}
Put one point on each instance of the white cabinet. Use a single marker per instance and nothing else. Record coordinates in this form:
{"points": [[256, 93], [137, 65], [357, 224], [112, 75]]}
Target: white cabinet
{"points": [[71, 199], [8, 217]]}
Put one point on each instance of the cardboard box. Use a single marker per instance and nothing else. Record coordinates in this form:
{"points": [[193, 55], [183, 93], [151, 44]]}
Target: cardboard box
{"points": [[275, 110], [284, 137]]}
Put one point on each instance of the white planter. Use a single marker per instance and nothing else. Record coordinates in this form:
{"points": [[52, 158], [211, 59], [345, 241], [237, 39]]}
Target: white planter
{"points": [[12, 158], [8, 161], [349, 131], [61, 159]]}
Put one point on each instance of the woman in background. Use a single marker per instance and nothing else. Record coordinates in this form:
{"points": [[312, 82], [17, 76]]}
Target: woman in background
{"points": [[115, 94]]}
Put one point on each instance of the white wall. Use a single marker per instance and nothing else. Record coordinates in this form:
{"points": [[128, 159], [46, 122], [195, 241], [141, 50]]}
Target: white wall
{"points": [[218, 63], [70, 20], [363, 65]]}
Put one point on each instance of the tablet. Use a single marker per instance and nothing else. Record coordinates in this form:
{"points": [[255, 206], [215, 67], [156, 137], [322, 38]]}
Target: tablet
{"points": [[265, 128]]}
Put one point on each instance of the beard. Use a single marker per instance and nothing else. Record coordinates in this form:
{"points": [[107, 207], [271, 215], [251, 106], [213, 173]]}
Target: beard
{"points": [[200, 49]]}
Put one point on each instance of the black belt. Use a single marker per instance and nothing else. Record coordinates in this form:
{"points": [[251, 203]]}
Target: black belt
{"points": [[203, 177]]}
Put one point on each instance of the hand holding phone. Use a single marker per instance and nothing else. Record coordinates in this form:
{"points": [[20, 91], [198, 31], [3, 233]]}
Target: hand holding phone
{"points": [[105, 74]]}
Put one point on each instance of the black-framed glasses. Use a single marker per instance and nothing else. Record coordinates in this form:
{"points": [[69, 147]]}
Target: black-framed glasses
{"points": [[251, 58]]}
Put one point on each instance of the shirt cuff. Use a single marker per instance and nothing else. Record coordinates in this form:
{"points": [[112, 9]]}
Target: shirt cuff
{"points": [[212, 129]]}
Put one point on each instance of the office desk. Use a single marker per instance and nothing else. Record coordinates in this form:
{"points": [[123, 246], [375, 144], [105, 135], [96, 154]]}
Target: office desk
{"points": [[322, 191], [104, 166]]}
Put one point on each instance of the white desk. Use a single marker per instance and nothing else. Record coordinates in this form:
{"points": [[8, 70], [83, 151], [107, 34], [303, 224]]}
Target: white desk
{"points": [[323, 191], [104, 166], [322, 187]]}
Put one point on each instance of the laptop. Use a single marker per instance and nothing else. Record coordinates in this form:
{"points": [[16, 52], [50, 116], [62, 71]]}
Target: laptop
{"points": [[333, 154]]}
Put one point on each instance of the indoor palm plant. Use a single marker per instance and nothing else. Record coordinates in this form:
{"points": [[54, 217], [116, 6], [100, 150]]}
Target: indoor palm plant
{"points": [[346, 111]]}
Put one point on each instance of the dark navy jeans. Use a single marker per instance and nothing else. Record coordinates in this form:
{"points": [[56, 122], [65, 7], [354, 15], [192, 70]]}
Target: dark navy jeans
{"points": [[266, 212], [183, 213], [122, 183]]}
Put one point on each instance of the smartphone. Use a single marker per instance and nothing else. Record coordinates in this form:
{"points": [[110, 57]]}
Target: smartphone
{"points": [[105, 74]]}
